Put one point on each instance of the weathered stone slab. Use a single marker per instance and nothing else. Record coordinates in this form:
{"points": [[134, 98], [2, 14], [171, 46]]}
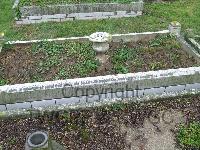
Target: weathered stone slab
{"points": [[177, 88], [43, 103], [25, 105], [2, 107], [34, 17], [195, 86], [108, 14], [154, 91], [71, 100], [66, 19]]}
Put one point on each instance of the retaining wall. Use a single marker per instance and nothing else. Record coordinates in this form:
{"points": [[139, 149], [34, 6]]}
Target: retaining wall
{"points": [[98, 85], [60, 13], [52, 107]]}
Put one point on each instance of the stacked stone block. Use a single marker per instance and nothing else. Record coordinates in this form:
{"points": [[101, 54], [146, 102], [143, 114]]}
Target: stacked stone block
{"points": [[69, 12]]}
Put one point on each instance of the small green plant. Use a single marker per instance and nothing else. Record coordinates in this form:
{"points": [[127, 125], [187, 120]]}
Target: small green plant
{"points": [[36, 78], [12, 141], [118, 106], [122, 55], [18, 13], [7, 46], [86, 67], [85, 136], [48, 48], [120, 58], [189, 136], [156, 65], [119, 68], [3, 81], [62, 74]]}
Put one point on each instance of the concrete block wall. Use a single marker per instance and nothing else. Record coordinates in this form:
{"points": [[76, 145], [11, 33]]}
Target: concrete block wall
{"points": [[99, 85], [69, 12], [158, 91]]}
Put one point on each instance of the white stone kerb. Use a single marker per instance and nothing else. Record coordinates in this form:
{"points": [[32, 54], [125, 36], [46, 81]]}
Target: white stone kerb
{"points": [[100, 80]]}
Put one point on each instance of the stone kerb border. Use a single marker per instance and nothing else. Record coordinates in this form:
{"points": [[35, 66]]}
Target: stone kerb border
{"points": [[60, 13], [191, 47], [97, 85], [130, 37], [194, 44]]}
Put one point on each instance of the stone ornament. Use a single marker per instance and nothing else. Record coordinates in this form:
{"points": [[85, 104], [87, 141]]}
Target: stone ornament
{"points": [[100, 45], [100, 41], [100, 37]]}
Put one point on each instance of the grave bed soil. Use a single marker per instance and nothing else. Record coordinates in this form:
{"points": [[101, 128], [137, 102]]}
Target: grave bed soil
{"points": [[47, 61], [99, 127]]}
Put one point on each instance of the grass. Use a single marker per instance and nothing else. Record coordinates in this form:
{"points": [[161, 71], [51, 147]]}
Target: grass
{"points": [[48, 2], [156, 17], [189, 136]]}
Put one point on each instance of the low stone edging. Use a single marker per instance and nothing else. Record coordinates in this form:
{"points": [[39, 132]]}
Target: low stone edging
{"points": [[194, 44], [129, 37]]}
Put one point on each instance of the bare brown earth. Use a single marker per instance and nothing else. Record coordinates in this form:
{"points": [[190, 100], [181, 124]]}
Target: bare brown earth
{"points": [[127, 126]]}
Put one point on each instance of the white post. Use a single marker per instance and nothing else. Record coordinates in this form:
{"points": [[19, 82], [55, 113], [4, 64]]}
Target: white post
{"points": [[1, 41], [175, 28]]}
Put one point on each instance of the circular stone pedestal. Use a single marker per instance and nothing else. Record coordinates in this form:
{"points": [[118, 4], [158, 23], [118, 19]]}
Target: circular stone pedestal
{"points": [[100, 47], [102, 57]]}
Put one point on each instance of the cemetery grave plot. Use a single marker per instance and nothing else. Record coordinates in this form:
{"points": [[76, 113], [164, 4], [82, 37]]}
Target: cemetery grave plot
{"points": [[48, 61], [109, 127]]}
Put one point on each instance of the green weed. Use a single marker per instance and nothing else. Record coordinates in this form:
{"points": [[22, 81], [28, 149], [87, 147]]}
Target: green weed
{"points": [[3, 82], [119, 68], [118, 106], [84, 134], [189, 136], [156, 65], [86, 67]]}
